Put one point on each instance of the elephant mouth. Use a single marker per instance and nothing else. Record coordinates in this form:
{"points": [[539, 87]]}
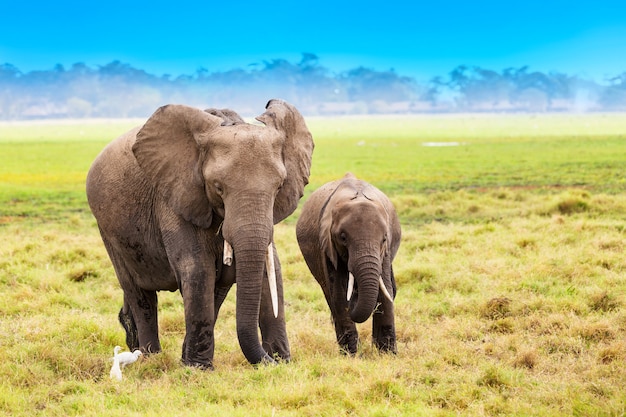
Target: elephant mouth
{"points": [[352, 292], [269, 265], [374, 294]]}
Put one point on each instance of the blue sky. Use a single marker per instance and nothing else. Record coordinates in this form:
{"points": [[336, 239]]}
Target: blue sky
{"points": [[415, 38]]}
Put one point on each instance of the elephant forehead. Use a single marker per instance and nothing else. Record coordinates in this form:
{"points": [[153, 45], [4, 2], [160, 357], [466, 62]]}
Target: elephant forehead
{"points": [[255, 150], [252, 136], [360, 212]]}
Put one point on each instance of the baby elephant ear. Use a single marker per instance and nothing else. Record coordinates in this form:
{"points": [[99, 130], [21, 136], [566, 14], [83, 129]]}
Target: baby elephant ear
{"points": [[325, 237], [297, 153], [167, 149]]}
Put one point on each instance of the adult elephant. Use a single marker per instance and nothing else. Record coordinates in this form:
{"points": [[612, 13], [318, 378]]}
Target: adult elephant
{"points": [[188, 202], [349, 234]]}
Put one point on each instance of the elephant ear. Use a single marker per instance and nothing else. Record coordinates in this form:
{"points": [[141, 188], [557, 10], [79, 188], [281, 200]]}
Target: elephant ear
{"points": [[168, 149], [326, 239], [297, 153]]}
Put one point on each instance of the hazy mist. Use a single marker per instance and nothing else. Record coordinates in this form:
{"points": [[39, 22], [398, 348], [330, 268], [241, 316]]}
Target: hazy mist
{"points": [[117, 90]]}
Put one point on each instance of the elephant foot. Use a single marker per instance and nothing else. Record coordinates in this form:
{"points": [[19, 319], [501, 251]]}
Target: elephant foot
{"points": [[197, 361], [385, 339], [281, 357], [202, 366], [387, 347], [198, 353], [265, 361], [348, 342], [278, 351]]}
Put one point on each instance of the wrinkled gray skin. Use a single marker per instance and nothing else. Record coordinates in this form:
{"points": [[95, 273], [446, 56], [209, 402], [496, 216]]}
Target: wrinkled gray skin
{"points": [[165, 197], [350, 226]]}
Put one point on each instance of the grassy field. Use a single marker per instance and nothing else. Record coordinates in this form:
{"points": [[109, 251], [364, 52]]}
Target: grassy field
{"points": [[511, 276]]}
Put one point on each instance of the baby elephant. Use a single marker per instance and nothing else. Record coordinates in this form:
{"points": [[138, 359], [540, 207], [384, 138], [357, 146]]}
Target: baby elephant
{"points": [[349, 233]]}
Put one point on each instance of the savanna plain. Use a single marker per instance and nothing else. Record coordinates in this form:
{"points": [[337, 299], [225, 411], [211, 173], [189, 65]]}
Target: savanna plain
{"points": [[511, 279]]}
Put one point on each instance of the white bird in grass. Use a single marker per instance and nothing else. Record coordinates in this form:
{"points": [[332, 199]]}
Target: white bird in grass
{"points": [[120, 360]]}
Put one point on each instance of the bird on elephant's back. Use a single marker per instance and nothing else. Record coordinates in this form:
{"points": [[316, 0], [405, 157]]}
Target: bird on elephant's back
{"points": [[349, 233], [188, 202]]}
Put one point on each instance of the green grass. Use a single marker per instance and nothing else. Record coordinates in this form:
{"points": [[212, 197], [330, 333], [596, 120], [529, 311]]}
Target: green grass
{"points": [[508, 151], [43, 166], [511, 278]]}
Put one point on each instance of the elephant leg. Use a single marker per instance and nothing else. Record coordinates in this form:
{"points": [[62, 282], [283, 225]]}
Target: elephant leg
{"points": [[345, 329], [220, 296], [383, 327], [141, 317], [198, 298], [225, 281], [192, 257], [383, 322], [273, 329], [138, 315]]}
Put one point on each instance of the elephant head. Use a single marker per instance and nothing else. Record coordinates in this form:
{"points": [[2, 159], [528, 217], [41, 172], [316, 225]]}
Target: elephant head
{"points": [[210, 167], [356, 231]]}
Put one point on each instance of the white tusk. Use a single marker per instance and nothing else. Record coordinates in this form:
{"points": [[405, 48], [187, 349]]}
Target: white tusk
{"points": [[350, 285], [384, 289], [228, 254], [271, 277]]}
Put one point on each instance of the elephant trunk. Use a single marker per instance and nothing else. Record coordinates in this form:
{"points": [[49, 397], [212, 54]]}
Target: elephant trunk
{"points": [[249, 270], [367, 272], [249, 239]]}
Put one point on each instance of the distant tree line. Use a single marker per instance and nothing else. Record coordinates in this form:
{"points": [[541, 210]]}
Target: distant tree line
{"points": [[119, 90]]}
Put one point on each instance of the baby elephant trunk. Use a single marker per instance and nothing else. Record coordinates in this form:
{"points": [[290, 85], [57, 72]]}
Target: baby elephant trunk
{"points": [[367, 276]]}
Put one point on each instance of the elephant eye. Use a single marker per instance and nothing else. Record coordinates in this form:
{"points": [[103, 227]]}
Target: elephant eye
{"points": [[218, 188], [343, 237]]}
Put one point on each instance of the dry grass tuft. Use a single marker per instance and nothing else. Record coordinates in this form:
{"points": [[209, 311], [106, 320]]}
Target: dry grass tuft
{"points": [[614, 352], [603, 302], [505, 325], [492, 377], [595, 332], [496, 308], [571, 206], [82, 274], [526, 359]]}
